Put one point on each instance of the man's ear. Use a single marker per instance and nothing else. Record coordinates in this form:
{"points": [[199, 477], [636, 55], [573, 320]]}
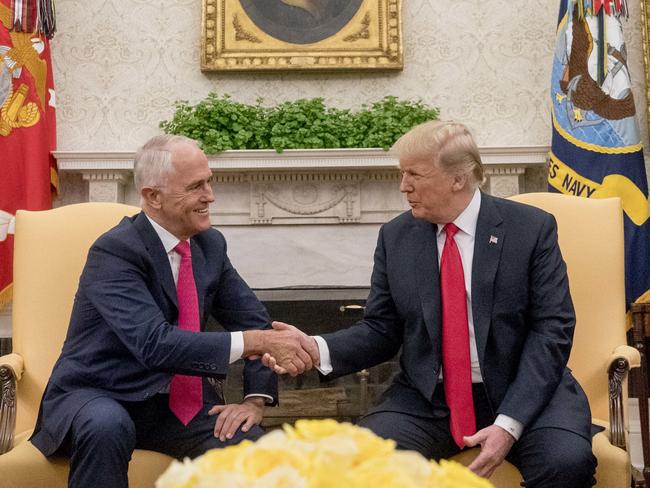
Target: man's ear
{"points": [[150, 197], [459, 183]]}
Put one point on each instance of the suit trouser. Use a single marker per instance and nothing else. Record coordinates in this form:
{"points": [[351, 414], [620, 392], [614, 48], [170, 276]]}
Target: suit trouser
{"points": [[105, 432], [546, 457]]}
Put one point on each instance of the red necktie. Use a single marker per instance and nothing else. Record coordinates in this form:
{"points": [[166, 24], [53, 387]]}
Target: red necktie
{"points": [[456, 367], [185, 392]]}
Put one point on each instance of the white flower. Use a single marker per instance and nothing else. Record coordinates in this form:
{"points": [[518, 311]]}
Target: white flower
{"points": [[281, 477], [317, 453], [177, 475]]}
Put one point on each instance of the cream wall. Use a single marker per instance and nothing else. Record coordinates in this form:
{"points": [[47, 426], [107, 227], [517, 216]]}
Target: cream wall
{"points": [[120, 64]]}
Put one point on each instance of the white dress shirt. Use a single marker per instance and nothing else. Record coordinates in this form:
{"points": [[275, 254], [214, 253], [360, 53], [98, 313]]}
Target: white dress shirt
{"points": [[466, 223], [169, 242]]}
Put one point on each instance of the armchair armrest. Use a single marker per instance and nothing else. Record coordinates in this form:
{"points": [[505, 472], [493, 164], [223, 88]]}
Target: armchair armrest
{"points": [[15, 362], [629, 353], [11, 369], [620, 361]]}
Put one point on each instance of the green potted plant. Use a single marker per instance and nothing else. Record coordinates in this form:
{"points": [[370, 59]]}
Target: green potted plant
{"points": [[220, 123]]}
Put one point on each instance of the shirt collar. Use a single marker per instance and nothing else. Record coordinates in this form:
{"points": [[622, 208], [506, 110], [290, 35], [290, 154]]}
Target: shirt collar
{"points": [[169, 240], [468, 218]]}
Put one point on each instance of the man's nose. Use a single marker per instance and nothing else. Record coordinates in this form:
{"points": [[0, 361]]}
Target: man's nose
{"points": [[208, 194], [404, 185]]}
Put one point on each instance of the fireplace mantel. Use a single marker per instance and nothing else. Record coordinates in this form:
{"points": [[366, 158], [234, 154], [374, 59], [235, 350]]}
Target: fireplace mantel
{"points": [[279, 211], [314, 186]]}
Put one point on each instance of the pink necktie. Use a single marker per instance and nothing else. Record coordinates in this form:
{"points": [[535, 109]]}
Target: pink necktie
{"points": [[185, 392], [456, 366]]}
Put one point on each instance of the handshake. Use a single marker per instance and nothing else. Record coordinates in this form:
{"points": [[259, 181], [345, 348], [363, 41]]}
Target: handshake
{"points": [[284, 349]]}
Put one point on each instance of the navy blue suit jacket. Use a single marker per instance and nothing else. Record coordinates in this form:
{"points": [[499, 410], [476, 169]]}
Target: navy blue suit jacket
{"points": [[123, 342], [523, 318]]}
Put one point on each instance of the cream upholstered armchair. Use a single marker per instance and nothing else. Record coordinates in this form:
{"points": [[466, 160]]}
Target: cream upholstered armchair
{"points": [[591, 239], [49, 253]]}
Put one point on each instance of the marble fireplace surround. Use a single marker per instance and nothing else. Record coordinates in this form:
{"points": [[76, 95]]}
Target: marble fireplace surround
{"points": [[301, 218]]}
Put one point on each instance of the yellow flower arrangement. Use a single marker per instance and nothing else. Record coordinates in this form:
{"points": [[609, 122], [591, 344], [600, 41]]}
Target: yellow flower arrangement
{"points": [[317, 454]]}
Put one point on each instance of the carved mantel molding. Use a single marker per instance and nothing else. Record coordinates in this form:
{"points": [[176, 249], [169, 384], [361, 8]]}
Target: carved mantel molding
{"points": [[299, 186]]}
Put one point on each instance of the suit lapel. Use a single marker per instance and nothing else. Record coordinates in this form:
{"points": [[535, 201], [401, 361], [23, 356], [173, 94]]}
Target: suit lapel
{"points": [[488, 244], [425, 268], [158, 255]]}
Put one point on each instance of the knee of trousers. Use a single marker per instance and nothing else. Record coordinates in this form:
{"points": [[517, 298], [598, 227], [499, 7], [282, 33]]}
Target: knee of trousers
{"points": [[105, 430], [571, 467], [254, 433]]}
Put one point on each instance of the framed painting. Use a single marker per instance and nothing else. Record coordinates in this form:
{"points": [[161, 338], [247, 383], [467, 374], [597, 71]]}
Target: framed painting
{"points": [[245, 35]]}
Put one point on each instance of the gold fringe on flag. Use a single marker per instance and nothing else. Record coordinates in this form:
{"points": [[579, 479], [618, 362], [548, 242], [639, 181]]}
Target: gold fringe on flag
{"points": [[592, 8], [33, 16]]}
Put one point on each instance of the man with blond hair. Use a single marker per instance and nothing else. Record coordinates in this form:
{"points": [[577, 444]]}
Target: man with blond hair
{"points": [[138, 369], [474, 291]]}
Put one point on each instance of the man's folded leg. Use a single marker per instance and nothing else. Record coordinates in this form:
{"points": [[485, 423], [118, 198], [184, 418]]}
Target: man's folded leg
{"points": [[428, 436], [100, 444], [554, 458], [159, 430]]}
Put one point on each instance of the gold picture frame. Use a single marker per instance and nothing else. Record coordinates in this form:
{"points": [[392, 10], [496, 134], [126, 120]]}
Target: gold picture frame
{"points": [[271, 35]]}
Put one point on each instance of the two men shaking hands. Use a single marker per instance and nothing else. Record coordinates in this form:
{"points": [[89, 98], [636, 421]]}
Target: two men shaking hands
{"points": [[286, 349], [472, 289]]}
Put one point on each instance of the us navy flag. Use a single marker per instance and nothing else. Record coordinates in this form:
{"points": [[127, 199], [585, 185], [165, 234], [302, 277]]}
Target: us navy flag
{"points": [[596, 149]]}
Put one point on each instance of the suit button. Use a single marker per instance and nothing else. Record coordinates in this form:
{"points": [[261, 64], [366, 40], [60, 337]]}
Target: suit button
{"points": [[213, 367], [195, 364]]}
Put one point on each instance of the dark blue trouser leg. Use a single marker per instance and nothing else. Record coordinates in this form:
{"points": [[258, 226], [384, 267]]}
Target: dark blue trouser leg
{"points": [[554, 458], [158, 429], [105, 432], [428, 436], [101, 441]]}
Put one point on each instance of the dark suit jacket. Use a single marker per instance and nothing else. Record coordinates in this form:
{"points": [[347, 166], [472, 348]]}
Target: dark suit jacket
{"points": [[123, 342], [523, 317]]}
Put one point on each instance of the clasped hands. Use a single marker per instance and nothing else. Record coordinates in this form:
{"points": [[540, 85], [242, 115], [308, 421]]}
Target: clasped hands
{"points": [[284, 349]]}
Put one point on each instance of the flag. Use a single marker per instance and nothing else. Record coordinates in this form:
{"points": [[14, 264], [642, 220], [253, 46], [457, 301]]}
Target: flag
{"points": [[27, 121], [596, 150]]}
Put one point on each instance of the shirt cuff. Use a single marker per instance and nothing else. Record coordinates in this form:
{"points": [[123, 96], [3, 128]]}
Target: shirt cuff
{"points": [[236, 346], [510, 425], [325, 366], [267, 398]]}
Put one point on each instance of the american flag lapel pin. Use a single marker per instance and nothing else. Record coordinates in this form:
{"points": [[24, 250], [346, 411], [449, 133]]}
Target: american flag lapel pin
{"points": [[493, 240]]}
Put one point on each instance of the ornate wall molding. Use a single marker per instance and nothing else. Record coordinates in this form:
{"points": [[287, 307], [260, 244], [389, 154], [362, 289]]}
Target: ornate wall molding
{"points": [[308, 198], [296, 159], [331, 186], [106, 185]]}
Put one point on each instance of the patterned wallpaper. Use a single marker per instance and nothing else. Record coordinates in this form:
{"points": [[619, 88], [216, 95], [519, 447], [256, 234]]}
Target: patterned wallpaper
{"points": [[120, 65]]}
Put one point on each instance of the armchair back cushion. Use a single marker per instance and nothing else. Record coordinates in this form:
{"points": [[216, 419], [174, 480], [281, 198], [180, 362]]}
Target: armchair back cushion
{"points": [[590, 232], [50, 250]]}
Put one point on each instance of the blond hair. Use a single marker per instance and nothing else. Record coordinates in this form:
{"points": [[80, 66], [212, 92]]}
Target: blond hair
{"points": [[448, 144]]}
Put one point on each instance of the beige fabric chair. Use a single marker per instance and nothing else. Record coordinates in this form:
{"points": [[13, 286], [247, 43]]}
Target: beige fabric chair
{"points": [[50, 251], [591, 238]]}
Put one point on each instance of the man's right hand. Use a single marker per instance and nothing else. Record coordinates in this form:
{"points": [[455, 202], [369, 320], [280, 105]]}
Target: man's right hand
{"points": [[285, 349]]}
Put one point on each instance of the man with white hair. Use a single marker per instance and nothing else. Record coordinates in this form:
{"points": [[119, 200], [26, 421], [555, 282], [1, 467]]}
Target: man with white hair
{"points": [[474, 291], [137, 369]]}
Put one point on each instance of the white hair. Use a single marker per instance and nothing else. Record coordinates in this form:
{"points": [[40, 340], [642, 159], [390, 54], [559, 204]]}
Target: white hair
{"points": [[153, 161]]}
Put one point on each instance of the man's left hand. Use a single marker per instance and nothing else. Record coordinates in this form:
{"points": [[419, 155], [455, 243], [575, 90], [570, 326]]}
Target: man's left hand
{"points": [[495, 445], [235, 415]]}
